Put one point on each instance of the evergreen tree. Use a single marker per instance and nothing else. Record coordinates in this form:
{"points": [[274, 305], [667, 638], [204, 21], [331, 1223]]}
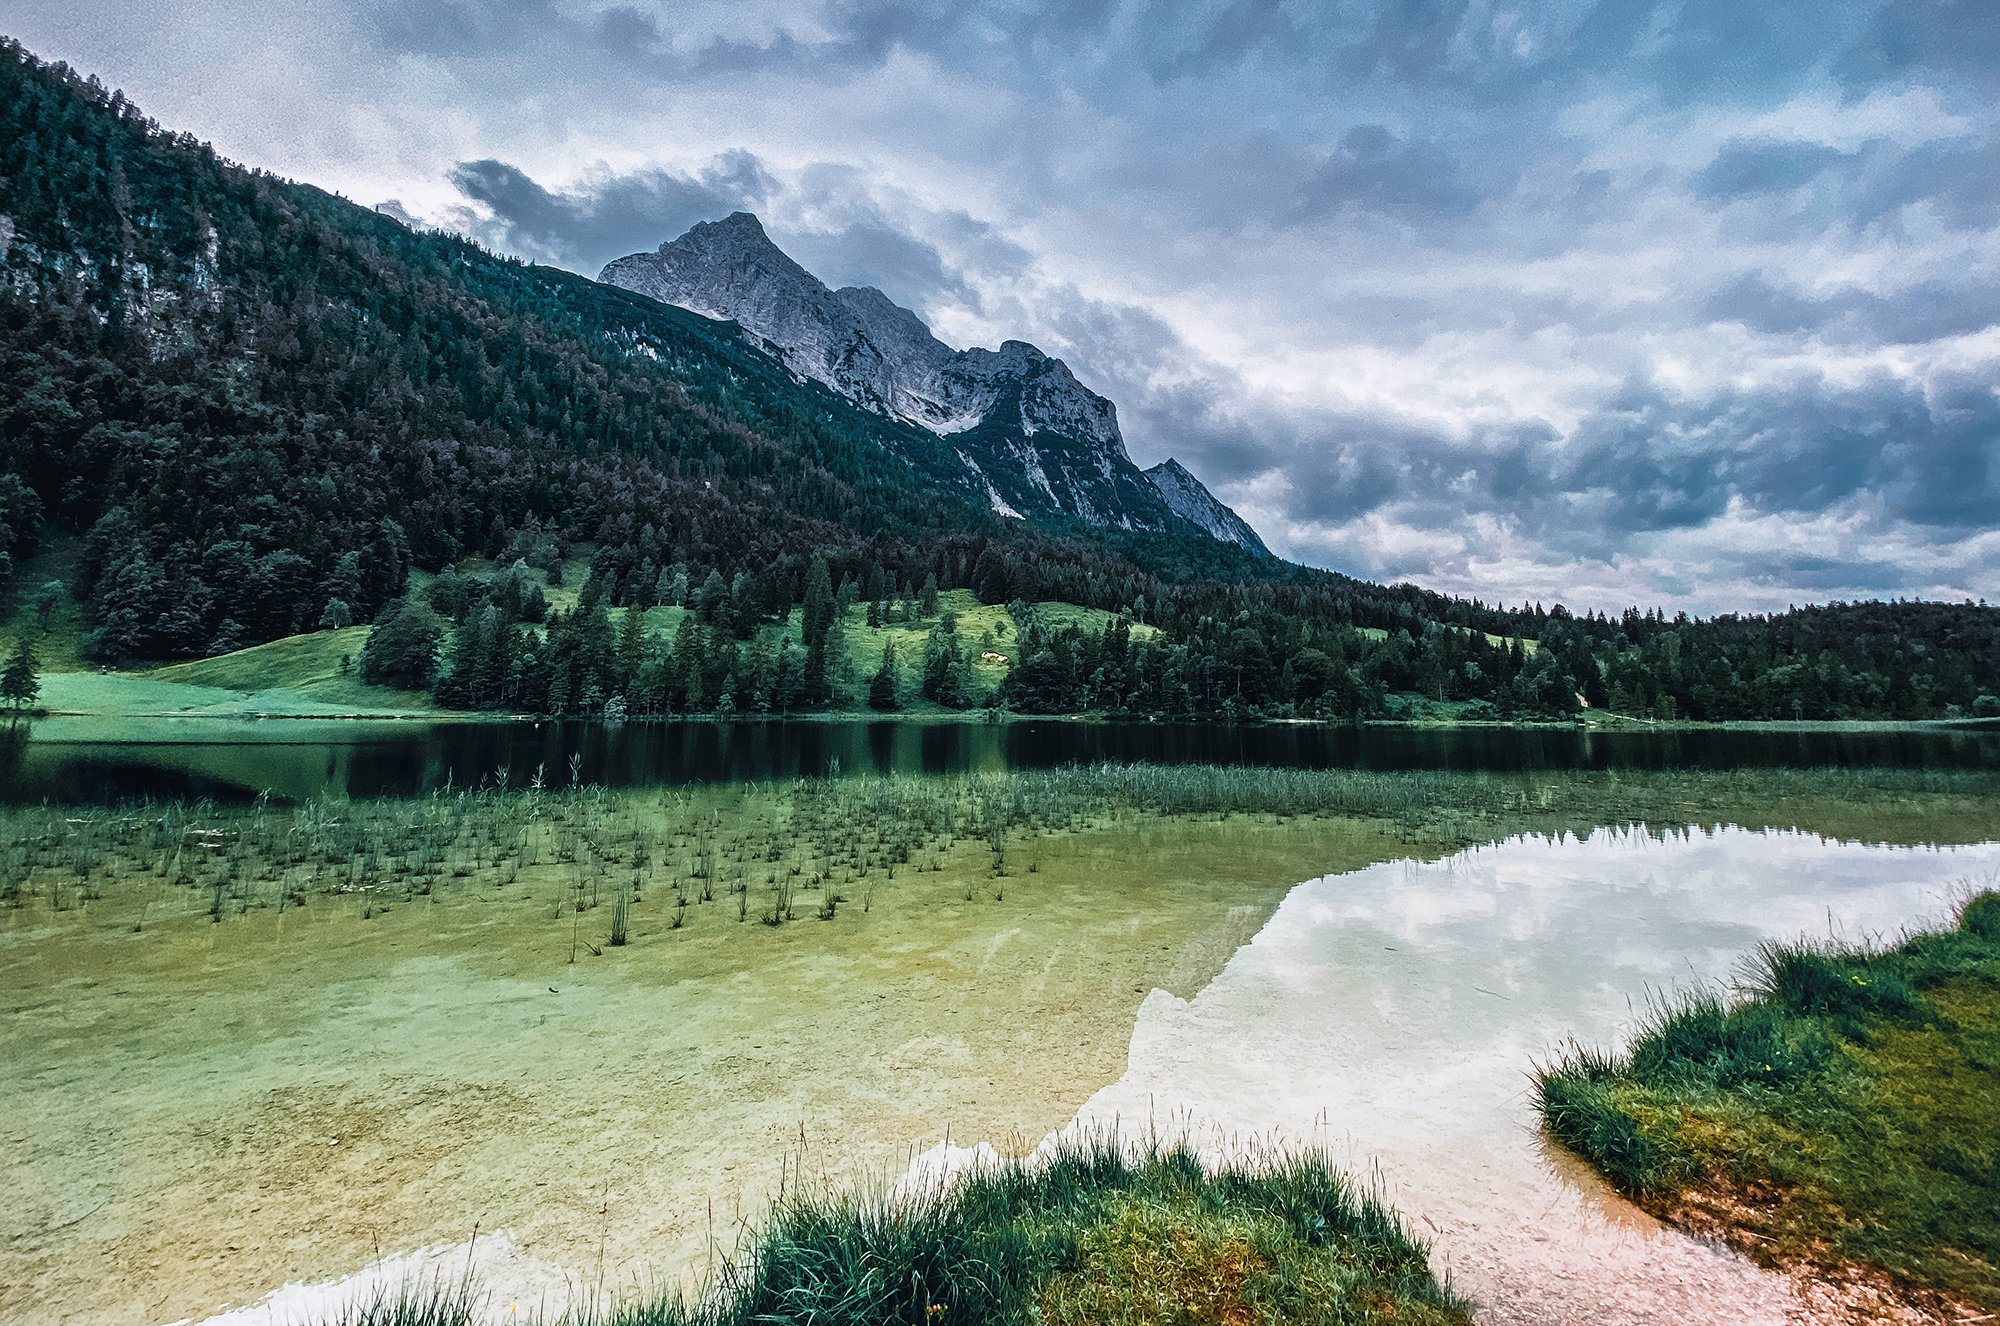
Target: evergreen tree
{"points": [[882, 687], [401, 649], [713, 594], [632, 640], [685, 671], [837, 664], [20, 682], [819, 601], [945, 674], [787, 672], [814, 620]]}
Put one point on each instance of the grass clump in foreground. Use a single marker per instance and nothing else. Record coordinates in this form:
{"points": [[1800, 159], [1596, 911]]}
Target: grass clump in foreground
{"points": [[1843, 1115], [1092, 1235]]}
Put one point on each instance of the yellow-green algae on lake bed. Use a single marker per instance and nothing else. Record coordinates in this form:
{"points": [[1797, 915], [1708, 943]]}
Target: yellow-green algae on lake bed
{"points": [[202, 1110]]}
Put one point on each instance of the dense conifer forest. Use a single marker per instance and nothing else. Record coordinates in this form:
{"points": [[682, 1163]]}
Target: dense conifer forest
{"points": [[254, 408]]}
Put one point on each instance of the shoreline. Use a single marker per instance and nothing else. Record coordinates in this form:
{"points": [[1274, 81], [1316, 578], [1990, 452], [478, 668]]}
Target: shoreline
{"points": [[1564, 1242], [306, 709], [275, 1094]]}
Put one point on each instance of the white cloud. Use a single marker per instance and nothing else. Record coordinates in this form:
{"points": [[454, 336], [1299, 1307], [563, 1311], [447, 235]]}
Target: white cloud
{"points": [[1382, 383]]}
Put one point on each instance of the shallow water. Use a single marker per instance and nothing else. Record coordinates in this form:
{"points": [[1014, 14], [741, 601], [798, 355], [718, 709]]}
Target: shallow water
{"points": [[1393, 1015], [104, 759]]}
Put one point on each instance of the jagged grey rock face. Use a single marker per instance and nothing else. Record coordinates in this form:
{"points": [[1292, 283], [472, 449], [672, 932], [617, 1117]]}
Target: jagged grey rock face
{"points": [[1036, 440], [1187, 498], [1026, 434]]}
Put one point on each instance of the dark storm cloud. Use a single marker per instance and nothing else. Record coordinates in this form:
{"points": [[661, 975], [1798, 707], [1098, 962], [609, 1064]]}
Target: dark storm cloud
{"points": [[1659, 461], [1373, 171], [1606, 274], [587, 228], [1646, 462], [874, 253], [1959, 38], [1914, 314], [1664, 462], [455, 29], [1747, 169]]}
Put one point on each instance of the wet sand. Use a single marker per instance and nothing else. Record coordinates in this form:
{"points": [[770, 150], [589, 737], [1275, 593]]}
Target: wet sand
{"points": [[199, 1112]]}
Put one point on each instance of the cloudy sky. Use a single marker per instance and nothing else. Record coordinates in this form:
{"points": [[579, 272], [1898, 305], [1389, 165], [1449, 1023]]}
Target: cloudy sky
{"points": [[1688, 304]]}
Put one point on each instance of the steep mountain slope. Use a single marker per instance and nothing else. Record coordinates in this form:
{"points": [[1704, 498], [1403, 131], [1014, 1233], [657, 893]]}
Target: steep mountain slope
{"points": [[1187, 498], [246, 404], [1020, 427], [254, 398]]}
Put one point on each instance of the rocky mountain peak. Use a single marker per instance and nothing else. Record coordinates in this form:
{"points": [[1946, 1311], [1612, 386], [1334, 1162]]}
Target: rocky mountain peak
{"points": [[1188, 498], [1021, 426]]}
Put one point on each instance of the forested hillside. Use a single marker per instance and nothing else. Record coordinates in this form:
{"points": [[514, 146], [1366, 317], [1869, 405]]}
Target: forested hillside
{"points": [[256, 407]]}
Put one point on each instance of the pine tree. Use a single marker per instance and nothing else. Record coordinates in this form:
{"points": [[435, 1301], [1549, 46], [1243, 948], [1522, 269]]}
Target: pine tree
{"points": [[882, 687], [632, 640], [20, 683], [819, 601]]}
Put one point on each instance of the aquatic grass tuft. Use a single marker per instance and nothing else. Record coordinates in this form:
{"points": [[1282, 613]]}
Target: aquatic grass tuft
{"points": [[1980, 917], [1823, 978], [618, 919], [434, 1302], [1091, 1233], [1845, 1110]]}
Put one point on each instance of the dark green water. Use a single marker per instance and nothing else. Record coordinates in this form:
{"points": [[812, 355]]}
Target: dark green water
{"points": [[81, 761]]}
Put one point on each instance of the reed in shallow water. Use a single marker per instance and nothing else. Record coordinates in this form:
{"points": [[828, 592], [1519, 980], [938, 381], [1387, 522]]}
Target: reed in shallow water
{"points": [[824, 833]]}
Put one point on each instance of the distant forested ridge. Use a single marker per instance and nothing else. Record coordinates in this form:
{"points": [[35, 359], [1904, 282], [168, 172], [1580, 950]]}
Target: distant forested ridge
{"points": [[255, 408]]}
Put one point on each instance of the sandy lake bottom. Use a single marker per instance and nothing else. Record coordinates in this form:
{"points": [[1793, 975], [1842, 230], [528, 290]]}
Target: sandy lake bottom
{"points": [[200, 1113]]}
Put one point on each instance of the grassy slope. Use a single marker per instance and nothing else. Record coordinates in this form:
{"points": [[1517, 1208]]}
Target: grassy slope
{"points": [[1848, 1113], [297, 676], [1528, 647], [306, 667], [976, 622]]}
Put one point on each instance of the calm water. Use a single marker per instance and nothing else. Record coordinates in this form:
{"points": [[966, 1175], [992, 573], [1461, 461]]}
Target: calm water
{"points": [[1392, 1015], [88, 760]]}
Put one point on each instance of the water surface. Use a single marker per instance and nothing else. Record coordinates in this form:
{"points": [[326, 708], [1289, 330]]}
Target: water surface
{"points": [[99, 759], [1394, 1014]]}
